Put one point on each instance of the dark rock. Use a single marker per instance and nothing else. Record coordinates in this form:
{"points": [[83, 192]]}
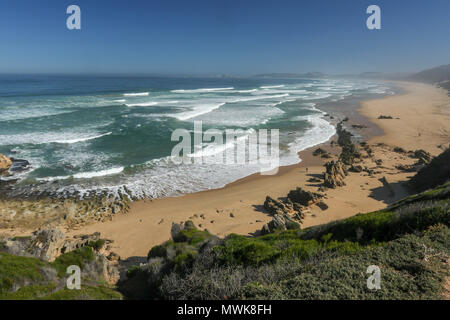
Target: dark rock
{"points": [[318, 152], [399, 150], [322, 205], [280, 222], [278, 207], [356, 168], [406, 168], [385, 117], [303, 197], [423, 156], [433, 174], [387, 186], [175, 231], [19, 165], [334, 174], [314, 179]]}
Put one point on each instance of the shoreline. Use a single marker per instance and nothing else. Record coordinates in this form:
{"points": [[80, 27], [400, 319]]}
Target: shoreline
{"points": [[237, 207]]}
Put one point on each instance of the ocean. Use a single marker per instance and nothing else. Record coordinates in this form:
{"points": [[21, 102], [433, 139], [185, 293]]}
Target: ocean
{"points": [[84, 134]]}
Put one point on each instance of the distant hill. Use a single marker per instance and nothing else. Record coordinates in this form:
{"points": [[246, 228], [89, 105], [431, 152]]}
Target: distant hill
{"points": [[434, 75]]}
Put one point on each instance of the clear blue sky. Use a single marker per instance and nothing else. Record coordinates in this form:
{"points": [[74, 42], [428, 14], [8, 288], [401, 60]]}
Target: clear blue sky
{"points": [[222, 36]]}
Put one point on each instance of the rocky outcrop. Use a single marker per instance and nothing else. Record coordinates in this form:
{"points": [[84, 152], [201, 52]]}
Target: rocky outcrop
{"points": [[19, 165], [406, 168], [303, 197], [5, 164], [318, 152], [281, 207], [334, 175], [433, 174], [422, 156], [280, 222], [48, 212], [356, 168], [349, 151], [49, 244]]}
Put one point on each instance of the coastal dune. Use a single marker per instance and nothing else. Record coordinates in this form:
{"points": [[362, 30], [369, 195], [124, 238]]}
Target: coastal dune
{"points": [[420, 120]]}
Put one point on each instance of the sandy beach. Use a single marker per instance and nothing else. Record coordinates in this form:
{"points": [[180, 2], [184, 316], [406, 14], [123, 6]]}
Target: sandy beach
{"points": [[421, 120]]}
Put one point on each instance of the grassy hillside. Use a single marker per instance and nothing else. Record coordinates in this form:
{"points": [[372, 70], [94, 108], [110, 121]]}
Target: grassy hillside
{"points": [[31, 278], [409, 241]]}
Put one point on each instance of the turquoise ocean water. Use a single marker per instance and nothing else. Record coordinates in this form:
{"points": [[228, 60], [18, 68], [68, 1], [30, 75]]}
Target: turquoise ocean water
{"points": [[97, 133]]}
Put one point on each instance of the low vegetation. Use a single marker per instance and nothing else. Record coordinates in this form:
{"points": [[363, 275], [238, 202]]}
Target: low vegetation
{"points": [[31, 278], [409, 241]]}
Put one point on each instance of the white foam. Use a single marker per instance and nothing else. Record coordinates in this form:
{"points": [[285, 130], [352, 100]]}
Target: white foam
{"points": [[70, 141], [144, 104], [271, 87], [86, 175], [260, 98], [196, 111], [136, 94], [202, 90], [320, 132]]}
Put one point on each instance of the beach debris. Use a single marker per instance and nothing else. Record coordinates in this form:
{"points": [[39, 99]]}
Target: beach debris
{"points": [[231, 215], [334, 175]]}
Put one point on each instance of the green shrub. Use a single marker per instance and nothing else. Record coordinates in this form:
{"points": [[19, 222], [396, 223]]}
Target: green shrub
{"points": [[16, 269], [78, 257], [96, 245]]}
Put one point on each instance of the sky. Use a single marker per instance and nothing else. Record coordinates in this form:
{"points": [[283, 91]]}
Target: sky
{"points": [[223, 36]]}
